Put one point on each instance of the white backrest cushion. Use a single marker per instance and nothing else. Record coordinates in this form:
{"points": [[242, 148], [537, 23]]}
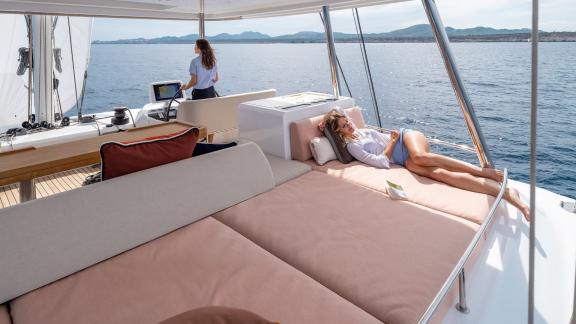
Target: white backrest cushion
{"points": [[218, 114], [46, 239], [322, 150]]}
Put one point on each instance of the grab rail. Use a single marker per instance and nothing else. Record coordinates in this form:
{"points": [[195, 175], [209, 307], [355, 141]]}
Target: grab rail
{"points": [[458, 270], [462, 147]]}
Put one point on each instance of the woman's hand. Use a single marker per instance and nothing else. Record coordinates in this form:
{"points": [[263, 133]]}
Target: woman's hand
{"points": [[394, 135], [321, 127]]}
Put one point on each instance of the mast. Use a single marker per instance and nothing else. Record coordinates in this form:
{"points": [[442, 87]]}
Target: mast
{"points": [[331, 51], [42, 62]]}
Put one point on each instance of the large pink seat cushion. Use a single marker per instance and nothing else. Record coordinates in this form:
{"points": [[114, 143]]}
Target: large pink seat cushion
{"points": [[388, 257], [4, 316], [424, 191], [205, 263], [304, 130]]}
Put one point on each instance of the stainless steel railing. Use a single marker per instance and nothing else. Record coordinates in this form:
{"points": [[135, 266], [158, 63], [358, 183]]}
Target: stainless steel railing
{"points": [[461, 147], [458, 270]]}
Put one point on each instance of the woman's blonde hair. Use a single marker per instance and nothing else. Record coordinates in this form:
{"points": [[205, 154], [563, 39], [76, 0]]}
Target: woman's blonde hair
{"points": [[208, 57], [331, 121]]}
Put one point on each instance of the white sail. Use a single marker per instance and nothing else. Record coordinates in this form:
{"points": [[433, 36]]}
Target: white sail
{"points": [[13, 88], [80, 32]]}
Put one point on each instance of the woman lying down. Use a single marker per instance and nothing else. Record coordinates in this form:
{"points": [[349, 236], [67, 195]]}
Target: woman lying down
{"points": [[410, 149]]}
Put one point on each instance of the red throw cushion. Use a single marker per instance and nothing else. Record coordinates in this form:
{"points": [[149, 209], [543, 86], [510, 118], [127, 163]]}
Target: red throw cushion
{"points": [[119, 159], [217, 315]]}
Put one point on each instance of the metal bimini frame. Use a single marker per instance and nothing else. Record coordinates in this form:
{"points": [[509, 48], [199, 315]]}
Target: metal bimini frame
{"points": [[331, 51], [201, 20], [443, 42]]}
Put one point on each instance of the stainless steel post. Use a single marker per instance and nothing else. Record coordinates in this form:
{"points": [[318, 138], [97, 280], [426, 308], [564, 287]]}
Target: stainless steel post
{"points": [[27, 190], [533, 160], [201, 26], [462, 305], [463, 100], [331, 51]]}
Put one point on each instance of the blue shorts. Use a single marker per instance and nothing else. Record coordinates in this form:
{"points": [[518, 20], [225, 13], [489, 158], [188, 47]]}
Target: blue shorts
{"points": [[400, 153]]}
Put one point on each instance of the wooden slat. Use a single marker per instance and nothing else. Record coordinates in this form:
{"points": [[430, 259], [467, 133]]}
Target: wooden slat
{"points": [[48, 185], [13, 195]]}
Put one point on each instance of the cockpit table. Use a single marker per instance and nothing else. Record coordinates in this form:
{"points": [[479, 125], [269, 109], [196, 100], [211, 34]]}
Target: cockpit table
{"points": [[26, 164]]}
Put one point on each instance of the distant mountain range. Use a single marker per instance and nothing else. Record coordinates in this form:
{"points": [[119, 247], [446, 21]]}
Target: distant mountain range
{"points": [[416, 33]]}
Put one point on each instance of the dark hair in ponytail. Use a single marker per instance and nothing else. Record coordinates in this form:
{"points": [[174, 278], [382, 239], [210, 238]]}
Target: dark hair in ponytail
{"points": [[208, 57]]}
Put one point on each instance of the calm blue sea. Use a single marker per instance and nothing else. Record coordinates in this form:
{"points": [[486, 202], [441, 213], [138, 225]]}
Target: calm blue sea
{"points": [[412, 87]]}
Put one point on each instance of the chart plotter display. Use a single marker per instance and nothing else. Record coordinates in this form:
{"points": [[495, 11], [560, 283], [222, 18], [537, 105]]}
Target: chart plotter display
{"points": [[164, 91]]}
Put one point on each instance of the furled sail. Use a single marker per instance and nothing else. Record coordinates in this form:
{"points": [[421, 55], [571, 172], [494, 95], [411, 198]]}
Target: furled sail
{"points": [[72, 38], [13, 87]]}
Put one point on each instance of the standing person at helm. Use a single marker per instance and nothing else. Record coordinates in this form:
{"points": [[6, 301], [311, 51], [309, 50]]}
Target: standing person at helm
{"points": [[203, 72]]}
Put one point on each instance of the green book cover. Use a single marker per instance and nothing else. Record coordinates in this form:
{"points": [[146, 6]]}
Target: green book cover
{"points": [[395, 191]]}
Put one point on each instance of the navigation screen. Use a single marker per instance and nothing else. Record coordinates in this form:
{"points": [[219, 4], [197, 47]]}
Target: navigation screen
{"points": [[164, 92]]}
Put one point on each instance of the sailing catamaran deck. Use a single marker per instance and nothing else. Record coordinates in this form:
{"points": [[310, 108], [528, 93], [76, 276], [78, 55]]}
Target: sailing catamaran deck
{"points": [[59, 238], [48, 185]]}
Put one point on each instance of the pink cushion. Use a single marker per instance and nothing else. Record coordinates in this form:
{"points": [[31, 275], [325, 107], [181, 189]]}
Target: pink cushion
{"points": [[205, 263], [119, 158], [302, 131], [4, 316], [217, 315], [388, 257], [424, 191]]}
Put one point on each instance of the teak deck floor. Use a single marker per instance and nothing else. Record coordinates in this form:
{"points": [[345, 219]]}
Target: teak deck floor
{"points": [[48, 185]]}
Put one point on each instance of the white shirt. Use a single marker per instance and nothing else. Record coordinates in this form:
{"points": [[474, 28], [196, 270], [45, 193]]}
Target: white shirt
{"points": [[369, 148], [204, 77]]}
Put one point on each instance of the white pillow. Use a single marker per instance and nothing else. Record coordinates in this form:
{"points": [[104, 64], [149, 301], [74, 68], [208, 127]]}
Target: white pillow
{"points": [[321, 149]]}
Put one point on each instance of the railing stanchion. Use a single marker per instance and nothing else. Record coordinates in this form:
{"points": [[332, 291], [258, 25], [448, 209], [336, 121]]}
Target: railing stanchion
{"points": [[462, 305]]}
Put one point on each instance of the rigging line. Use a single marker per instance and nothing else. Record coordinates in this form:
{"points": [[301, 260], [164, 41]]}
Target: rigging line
{"points": [[29, 26], [74, 70], [58, 96], [339, 66], [360, 35], [533, 130]]}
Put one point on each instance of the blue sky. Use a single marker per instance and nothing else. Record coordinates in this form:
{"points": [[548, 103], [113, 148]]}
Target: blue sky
{"points": [[555, 15]]}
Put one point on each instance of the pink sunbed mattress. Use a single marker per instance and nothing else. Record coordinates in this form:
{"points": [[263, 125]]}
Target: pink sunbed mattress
{"points": [[388, 257], [4, 316], [424, 191], [205, 263]]}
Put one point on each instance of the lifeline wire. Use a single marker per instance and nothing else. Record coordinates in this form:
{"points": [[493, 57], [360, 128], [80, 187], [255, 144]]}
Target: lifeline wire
{"points": [[339, 65], [533, 129], [360, 35]]}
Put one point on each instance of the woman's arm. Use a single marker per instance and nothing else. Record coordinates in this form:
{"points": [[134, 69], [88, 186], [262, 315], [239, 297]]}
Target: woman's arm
{"points": [[379, 161], [394, 136], [216, 78], [191, 83]]}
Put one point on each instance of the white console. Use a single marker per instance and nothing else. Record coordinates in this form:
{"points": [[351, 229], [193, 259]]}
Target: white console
{"points": [[267, 121]]}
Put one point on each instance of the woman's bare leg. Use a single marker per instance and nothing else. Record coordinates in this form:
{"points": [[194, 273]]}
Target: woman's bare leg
{"points": [[419, 151], [469, 182]]}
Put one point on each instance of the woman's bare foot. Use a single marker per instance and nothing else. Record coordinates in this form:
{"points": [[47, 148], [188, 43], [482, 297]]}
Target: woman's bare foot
{"points": [[513, 197], [494, 174]]}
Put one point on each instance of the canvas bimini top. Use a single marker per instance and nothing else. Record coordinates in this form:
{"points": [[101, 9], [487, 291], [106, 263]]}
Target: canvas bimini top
{"points": [[180, 9]]}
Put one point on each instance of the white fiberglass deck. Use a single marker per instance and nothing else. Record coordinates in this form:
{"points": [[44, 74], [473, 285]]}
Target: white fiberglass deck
{"points": [[497, 286]]}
